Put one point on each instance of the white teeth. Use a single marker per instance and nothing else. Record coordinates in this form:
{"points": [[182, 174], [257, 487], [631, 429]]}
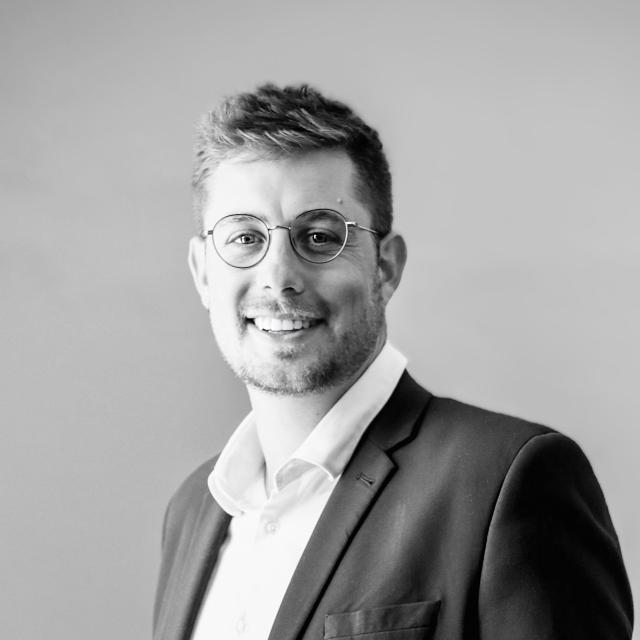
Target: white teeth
{"points": [[266, 323]]}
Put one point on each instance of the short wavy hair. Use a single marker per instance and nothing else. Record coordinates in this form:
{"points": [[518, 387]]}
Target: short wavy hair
{"points": [[275, 122]]}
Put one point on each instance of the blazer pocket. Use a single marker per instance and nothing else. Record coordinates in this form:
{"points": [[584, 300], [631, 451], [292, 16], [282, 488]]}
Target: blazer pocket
{"points": [[397, 622]]}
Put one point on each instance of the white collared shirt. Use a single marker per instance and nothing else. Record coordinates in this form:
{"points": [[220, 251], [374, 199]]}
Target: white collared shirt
{"points": [[268, 533]]}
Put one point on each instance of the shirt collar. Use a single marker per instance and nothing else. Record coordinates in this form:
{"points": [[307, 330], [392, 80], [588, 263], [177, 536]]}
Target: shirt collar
{"points": [[237, 480]]}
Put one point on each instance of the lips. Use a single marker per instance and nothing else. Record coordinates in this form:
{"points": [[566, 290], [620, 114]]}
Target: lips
{"points": [[289, 323]]}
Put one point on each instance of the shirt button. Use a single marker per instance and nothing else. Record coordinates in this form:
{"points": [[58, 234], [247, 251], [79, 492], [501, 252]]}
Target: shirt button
{"points": [[271, 526], [241, 626]]}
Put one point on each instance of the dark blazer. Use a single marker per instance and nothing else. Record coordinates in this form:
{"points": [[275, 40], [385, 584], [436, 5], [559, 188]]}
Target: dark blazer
{"points": [[449, 522]]}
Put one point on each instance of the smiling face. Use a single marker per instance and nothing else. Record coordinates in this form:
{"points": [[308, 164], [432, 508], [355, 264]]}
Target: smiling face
{"points": [[285, 325]]}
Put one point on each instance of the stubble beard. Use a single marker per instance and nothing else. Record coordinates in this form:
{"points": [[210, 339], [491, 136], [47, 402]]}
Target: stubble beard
{"points": [[336, 364]]}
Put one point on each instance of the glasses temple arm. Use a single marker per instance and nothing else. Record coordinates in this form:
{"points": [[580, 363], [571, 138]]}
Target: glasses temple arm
{"points": [[359, 226]]}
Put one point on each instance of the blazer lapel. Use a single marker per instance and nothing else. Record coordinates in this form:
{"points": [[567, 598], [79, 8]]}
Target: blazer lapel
{"points": [[362, 481], [184, 597]]}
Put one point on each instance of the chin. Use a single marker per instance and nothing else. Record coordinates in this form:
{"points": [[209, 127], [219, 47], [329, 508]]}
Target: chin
{"points": [[284, 380], [291, 376]]}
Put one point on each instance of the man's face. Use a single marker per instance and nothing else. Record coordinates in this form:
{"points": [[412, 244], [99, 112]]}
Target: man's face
{"points": [[285, 325]]}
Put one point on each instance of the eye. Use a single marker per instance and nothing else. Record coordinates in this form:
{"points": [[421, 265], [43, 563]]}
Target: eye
{"points": [[318, 238], [245, 238]]}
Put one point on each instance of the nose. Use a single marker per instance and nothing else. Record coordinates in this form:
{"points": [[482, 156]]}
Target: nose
{"points": [[281, 270]]}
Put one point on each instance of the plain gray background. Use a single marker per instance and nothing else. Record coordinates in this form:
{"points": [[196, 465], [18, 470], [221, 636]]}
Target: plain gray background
{"points": [[512, 129]]}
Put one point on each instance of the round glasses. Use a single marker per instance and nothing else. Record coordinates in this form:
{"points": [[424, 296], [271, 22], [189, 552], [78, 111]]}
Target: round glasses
{"points": [[317, 236]]}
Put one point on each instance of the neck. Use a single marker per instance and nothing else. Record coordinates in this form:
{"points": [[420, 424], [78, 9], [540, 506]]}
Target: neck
{"points": [[284, 422]]}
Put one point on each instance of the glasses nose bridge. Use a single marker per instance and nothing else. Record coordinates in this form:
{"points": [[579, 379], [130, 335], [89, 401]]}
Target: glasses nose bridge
{"points": [[286, 228], [278, 226]]}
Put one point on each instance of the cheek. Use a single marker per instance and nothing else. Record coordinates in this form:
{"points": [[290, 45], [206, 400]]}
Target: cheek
{"points": [[351, 298], [224, 294]]}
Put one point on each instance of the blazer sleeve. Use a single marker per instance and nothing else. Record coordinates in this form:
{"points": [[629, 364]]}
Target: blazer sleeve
{"points": [[552, 567]]}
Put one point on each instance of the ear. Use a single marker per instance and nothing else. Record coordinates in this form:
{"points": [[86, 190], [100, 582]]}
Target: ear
{"points": [[198, 267], [391, 261]]}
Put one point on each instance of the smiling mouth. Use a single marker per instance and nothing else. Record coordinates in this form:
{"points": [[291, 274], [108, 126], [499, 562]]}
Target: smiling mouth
{"points": [[283, 325]]}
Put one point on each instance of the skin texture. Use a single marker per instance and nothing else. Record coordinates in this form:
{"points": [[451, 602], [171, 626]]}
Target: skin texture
{"points": [[345, 298]]}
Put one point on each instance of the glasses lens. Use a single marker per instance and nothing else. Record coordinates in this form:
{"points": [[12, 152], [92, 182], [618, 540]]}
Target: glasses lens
{"points": [[319, 235], [240, 240]]}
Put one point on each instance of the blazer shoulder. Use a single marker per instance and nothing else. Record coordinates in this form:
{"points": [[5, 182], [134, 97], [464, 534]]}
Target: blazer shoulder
{"points": [[463, 415], [478, 437], [187, 498], [197, 476]]}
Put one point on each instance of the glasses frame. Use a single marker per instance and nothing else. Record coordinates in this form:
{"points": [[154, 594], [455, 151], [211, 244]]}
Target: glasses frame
{"points": [[349, 224]]}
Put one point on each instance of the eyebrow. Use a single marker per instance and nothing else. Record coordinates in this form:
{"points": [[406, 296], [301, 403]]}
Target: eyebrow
{"points": [[244, 214], [264, 219]]}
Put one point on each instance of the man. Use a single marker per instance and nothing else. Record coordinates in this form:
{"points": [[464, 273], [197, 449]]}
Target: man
{"points": [[351, 503]]}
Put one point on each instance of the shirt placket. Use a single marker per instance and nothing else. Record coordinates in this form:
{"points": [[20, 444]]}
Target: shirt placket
{"points": [[266, 552]]}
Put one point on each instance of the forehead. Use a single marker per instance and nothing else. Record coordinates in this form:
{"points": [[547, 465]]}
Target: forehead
{"points": [[281, 188]]}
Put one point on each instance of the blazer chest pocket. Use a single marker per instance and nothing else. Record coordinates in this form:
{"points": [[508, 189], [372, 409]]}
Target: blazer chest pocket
{"points": [[411, 621]]}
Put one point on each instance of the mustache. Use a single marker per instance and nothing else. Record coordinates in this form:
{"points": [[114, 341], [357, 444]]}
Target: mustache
{"points": [[278, 307]]}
